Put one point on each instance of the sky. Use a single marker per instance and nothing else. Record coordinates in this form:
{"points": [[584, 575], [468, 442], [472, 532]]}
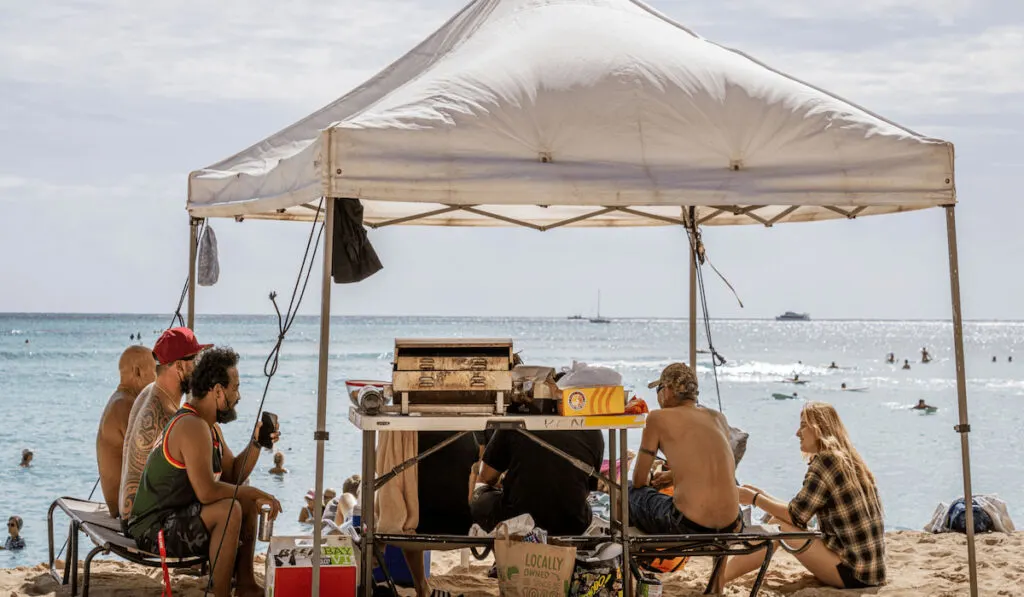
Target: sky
{"points": [[106, 105]]}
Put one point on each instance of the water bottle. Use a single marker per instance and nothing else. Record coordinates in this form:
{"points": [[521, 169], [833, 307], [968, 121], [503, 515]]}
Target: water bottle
{"points": [[357, 519]]}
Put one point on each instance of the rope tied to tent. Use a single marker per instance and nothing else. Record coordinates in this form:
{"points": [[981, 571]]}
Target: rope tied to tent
{"points": [[700, 254], [284, 324], [177, 317]]}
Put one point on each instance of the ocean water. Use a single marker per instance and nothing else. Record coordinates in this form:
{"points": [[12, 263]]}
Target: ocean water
{"points": [[57, 371]]}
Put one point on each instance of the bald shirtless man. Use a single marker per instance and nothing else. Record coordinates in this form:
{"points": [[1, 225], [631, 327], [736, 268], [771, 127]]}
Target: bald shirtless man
{"points": [[695, 442], [138, 370], [174, 353]]}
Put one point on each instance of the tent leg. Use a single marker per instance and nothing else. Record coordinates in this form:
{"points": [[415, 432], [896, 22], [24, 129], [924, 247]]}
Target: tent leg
{"points": [[321, 388], [193, 248], [961, 391], [693, 309]]}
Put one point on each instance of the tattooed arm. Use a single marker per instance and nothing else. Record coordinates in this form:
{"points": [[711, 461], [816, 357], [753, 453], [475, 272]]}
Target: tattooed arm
{"points": [[145, 425]]}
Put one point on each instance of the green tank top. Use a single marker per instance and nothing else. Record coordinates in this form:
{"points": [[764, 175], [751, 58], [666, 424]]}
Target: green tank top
{"points": [[165, 487]]}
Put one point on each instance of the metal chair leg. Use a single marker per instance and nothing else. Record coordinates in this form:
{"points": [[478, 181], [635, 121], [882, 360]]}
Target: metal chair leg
{"points": [[769, 552], [88, 565], [71, 564], [716, 571]]}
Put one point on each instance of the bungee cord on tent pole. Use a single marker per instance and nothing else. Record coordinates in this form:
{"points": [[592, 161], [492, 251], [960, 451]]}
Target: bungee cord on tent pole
{"points": [[698, 253], [177, 318], [284, 324]]}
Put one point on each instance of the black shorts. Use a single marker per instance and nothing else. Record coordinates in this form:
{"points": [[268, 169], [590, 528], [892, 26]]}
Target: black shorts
{"points": [[654, 512], [185, 535], [849, 580]]}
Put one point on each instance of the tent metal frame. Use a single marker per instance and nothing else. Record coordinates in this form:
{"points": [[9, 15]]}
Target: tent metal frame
{"points": [[321, 435], [748, 211]]}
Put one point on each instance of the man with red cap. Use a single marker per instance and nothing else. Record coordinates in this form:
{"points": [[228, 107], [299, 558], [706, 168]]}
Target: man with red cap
{"points": [[174, 353]]}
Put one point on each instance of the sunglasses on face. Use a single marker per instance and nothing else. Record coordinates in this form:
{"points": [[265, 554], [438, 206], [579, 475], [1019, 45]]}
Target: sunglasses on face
{"points": [[660, 387]]}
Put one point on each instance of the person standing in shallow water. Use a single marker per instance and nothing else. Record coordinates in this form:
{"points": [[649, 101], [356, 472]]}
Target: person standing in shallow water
{"points": [[138, 370], [14, 540], [26, 458]]}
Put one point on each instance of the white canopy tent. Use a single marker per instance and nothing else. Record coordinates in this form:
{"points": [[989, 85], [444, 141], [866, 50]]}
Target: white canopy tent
{"points": [[550, 113]]}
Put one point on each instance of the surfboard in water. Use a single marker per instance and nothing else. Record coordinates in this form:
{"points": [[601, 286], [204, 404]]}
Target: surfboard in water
{"points": [[855, 389]]}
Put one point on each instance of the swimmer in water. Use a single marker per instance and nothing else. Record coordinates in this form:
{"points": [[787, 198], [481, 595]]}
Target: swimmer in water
{"points": [[843, 387], [906, 364], [921, 406], [925, 357], [833, 365], [891, 358]]}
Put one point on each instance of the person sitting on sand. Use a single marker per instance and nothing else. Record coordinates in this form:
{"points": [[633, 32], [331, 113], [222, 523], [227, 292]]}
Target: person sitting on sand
{"points": [[26, 458], [138, 370], [891, 358], [839, 490], [695, 441], [14, 540], [531, 471], [906, 364], [278, 464], [921, 406], [833, 365], [189, 486], [174, 353]]}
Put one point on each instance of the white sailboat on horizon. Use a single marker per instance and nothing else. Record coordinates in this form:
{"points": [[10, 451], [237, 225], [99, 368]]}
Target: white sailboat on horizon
{"points": [[599, 319]]}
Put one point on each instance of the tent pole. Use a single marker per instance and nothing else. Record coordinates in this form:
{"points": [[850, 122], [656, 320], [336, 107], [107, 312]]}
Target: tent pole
{"points": [[321, 436], [961, 391], [193, 246], [692, 221], [693, 309]]}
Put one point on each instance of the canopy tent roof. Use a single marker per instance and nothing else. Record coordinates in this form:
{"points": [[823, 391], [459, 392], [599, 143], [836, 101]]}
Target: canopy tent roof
{"points": [[550, 113]]}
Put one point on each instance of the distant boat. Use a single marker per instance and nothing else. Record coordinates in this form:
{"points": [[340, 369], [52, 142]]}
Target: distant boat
{"points": [[791, 316], [599, 319]]}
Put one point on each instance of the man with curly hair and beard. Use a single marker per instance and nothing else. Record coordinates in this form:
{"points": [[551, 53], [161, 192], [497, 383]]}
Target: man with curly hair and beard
{"points": [[174, 352], [192, 489]]}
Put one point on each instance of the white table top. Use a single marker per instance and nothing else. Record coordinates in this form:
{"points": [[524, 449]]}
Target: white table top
{"points": [[472, 422]]}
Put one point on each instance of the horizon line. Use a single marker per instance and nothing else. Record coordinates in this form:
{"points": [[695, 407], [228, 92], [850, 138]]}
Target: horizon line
{"points": [[549, 317]]}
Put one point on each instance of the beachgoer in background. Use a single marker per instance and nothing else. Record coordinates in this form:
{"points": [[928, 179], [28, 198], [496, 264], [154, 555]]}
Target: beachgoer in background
{"points": [[843, 387], [906, 364], [339, 509], [278, 464], [174, 353], [1009, 359], [189, 486], [26, 458], [921, 406], [839, 490], [329, 494], [925, 357], [695, 442], [306, 514], [14, 539], [994, 359], [138, 370], [833, 365], [891, 358]]}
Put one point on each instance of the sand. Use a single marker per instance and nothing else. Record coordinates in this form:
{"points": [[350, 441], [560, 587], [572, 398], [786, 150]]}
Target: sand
{"points": [[918, 564]]}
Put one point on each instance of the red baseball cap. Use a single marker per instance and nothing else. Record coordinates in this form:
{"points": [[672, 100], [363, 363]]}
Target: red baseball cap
{"points": [[176, 344]]}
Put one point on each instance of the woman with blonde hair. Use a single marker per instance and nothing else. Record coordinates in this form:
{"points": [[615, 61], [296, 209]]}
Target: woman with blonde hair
{"points": [[840, 492]]}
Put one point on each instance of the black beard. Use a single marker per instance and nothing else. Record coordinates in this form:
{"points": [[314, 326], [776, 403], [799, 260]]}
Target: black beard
{"points": [[226, 416], [186, 385]]}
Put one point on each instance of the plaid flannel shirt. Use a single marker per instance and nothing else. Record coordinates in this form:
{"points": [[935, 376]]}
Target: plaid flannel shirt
{"points": [[849, 525]]}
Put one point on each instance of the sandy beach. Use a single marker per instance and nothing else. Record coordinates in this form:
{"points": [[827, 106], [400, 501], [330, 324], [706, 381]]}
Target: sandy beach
{"points": [[918, 564]]}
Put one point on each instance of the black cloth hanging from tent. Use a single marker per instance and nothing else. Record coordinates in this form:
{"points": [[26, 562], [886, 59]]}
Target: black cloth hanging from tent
{"points": [[353, 257]]}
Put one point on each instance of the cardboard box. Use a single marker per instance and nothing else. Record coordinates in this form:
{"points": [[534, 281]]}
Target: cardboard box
{"points": [[289, 568], [578, 402]]}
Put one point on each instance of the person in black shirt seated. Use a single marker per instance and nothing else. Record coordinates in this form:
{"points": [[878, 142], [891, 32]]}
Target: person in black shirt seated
{"points": [[537, 481]]}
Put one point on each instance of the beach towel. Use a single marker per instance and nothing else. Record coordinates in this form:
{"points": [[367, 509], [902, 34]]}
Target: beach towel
{"points": [[397, 505], [353, 256], [208, 266]]}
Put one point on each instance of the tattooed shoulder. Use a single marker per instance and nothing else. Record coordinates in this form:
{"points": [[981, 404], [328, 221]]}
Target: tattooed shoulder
{"points": [[141, 437]]}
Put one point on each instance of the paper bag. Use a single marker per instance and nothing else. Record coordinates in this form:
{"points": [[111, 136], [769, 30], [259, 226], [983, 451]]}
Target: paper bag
{"points": [[532, 569]]}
